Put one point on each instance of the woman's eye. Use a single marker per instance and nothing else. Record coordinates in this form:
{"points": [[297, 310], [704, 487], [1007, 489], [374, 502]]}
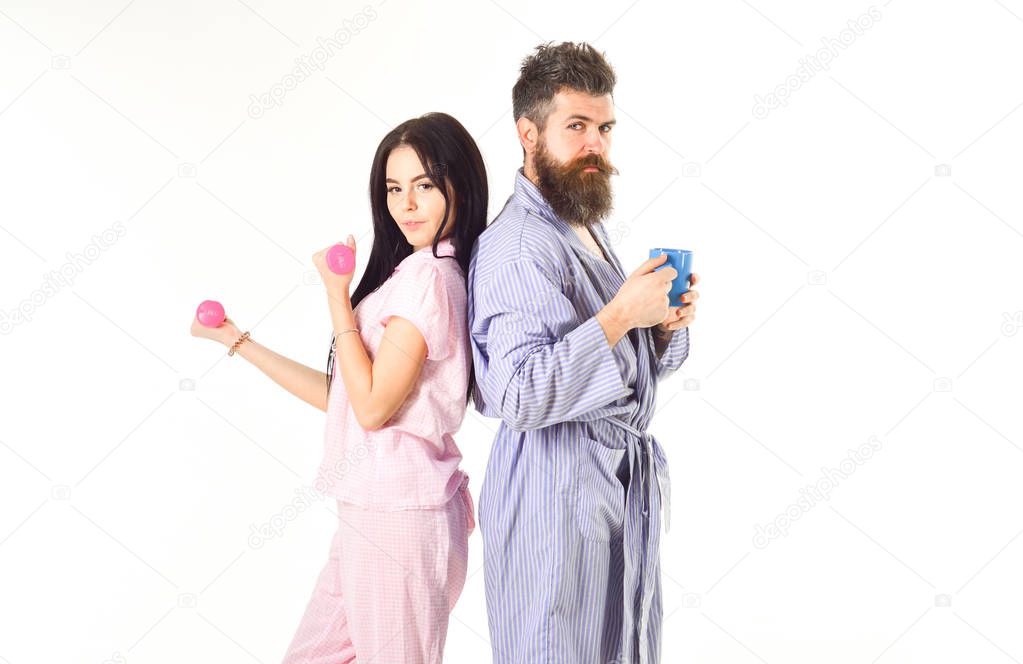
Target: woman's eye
{"points": [[426, 186], [392, 190]]}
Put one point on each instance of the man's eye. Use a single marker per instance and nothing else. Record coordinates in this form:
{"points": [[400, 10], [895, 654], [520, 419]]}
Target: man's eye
{"points": [[606, 128], [575, 125]]}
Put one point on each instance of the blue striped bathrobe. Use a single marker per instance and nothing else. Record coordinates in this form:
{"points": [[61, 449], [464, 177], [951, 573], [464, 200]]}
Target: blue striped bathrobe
{"points": [[570, 505]]}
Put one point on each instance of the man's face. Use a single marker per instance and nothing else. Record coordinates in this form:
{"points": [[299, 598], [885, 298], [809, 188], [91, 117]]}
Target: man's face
{"points": [[580, 124], [571, 158]]}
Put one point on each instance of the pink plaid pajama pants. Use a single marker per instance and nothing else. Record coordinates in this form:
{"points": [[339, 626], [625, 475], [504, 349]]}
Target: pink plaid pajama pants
{"points": [[389, 584]]}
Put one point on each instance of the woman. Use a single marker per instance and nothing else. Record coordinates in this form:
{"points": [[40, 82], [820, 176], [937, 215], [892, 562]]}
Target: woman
{"points": [[400, 348]]}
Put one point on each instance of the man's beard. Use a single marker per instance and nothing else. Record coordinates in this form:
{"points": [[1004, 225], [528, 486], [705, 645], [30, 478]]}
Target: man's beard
{"points": [[577, 197]]}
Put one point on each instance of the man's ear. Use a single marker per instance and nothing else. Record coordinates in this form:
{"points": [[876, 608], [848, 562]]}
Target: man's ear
{"points": [[528, 134]]}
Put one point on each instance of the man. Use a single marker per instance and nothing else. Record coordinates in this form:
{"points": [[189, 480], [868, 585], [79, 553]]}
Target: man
{"points": [[567, 351]]}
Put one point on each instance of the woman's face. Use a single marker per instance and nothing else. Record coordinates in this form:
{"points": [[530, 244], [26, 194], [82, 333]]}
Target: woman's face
{"points": [[414, 200]]}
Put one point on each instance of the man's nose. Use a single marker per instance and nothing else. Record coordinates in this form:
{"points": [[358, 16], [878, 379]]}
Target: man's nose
{"points": [[594, 142]]}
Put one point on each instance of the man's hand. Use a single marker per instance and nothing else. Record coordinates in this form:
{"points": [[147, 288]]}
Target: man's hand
{"points": [[679, 317], [641, 301]]}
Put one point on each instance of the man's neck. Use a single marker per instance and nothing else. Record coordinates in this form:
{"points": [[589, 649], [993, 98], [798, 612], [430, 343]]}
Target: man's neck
{"points": [[530, 172]]}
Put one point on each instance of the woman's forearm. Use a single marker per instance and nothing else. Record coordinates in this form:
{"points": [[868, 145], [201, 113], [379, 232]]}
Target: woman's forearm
{"points": [[352, 360], [304, 382]]}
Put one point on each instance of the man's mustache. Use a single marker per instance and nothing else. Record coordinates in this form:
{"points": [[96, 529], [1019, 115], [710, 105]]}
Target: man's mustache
{"points": [[593, 161]]}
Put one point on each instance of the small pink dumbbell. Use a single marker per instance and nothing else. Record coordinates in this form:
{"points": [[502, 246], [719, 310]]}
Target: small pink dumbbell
{"points": [[340, 259], [210, 313]]}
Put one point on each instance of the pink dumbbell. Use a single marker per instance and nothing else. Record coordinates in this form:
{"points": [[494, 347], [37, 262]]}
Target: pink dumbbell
{"points": [[210, 313], [340, 259]]}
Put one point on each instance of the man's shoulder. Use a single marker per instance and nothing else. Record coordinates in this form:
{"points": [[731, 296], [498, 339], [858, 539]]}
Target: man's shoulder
{"points": [[519, 234]]}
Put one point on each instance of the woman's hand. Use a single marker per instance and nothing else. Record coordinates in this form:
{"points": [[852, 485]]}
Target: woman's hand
{"points": [[679, 317], [226, 333], [337, 285]]}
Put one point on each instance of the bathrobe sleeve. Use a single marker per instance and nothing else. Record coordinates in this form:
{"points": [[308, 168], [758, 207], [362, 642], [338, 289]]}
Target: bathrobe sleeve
{"points": [[674, 354], [545, 364]]}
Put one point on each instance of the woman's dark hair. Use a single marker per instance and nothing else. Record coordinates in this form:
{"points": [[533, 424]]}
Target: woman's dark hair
{"points": [[454, 164]]}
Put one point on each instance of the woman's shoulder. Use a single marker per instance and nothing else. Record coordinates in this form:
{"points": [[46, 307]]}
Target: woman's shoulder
{"points": [[449, 272], [425, 265], [425, 276]]}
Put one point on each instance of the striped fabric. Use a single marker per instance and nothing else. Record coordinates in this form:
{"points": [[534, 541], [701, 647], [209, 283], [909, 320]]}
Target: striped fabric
{"points": [[570, 505]]}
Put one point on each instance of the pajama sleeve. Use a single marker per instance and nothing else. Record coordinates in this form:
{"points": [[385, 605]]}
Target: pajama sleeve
{"points": [[544, 366], [420, 296], [674, 354]]}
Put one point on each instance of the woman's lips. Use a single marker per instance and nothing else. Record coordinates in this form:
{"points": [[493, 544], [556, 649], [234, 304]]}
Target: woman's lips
{"points": [[413, 224]]}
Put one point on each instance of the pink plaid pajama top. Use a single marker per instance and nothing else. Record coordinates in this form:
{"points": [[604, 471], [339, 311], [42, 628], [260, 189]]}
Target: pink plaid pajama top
{"points": [[411, 461]]}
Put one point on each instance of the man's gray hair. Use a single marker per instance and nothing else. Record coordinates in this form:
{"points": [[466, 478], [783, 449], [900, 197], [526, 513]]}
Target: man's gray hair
{"points": [[578, 67]]}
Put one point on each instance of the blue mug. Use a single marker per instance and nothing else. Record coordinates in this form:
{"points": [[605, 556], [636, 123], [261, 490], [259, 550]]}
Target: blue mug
{"points": [[682, 261]]}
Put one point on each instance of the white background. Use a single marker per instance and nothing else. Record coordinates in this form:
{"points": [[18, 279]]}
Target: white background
{"points": [[859, 249]]}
